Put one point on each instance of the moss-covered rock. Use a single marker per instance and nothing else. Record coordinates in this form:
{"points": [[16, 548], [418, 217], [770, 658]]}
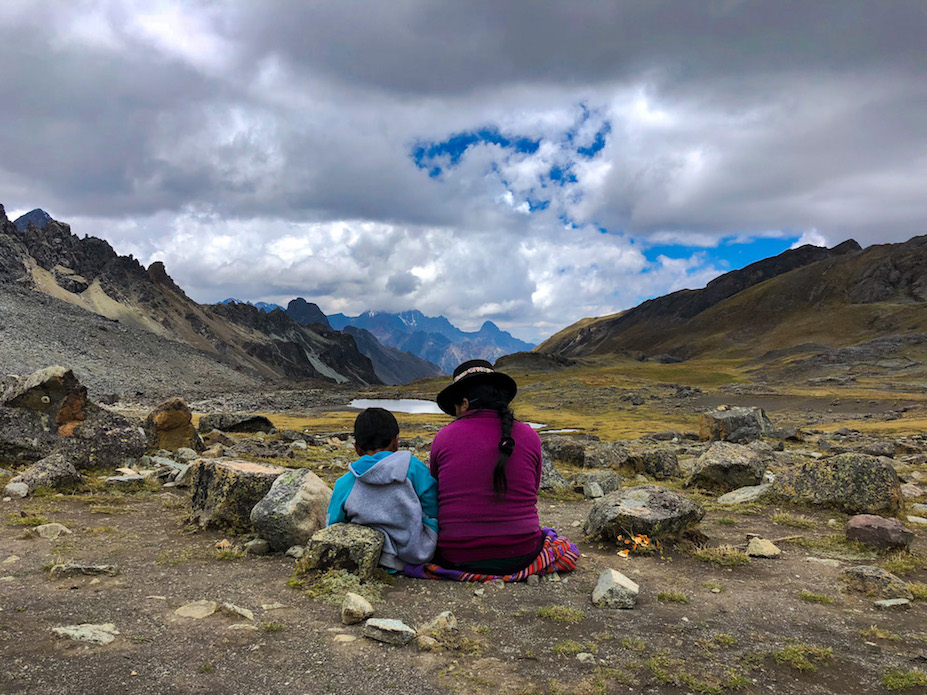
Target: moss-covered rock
{"points": [[655, 462], [349, 547], [652, 510], [170, 427], [225, 492], [875, 581], [855, 483], [293, 509]]}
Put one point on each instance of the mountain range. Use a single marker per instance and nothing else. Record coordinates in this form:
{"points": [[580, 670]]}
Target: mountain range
{"points": [[434, 338], [806, 307]]}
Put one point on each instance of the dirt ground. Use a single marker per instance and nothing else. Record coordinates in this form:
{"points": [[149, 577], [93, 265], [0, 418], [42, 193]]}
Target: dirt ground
{"points": [[697, 627]]}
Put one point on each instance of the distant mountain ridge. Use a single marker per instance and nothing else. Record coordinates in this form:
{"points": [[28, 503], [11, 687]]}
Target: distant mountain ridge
{"points": [[38, 217], [263, 306], [434, 338], [88, 273], [802, 301]]}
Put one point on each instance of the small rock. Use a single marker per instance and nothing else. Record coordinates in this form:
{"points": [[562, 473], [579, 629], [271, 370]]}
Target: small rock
{"points": [[919, 509], [592, 490], [875, 581], [71, 569], [11, 560], [242, 626], [275, 606], [878, 531], [197, 609], [761, 547], [186, 454], [919, 520], [296, 551], [355, 609], [479, 591], [257, 546], [750, 493], [826, 561], [345, 638], [16, 490], [444, 622], [88, 632], [51, 531], [232, 609], [389, 631], [892, 604], [533, 580], [125, 482], [427, 644], [614, 590], [585, 658]]}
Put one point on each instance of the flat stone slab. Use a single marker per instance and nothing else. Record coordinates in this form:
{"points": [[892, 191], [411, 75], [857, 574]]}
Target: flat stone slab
{"points": [[750, 493], [389, 631], [72, 569], [761, 547], [889, 604], [919, 520], [52, 531], [197, 609], [88, 632]]}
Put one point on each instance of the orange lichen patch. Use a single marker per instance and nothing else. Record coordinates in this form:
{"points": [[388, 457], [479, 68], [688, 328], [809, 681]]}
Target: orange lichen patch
{"points": [[637, 543], [67, 429], [72, 407]]}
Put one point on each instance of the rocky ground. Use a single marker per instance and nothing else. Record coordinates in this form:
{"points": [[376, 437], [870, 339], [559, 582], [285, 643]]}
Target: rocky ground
{"points": [[704, 622]]}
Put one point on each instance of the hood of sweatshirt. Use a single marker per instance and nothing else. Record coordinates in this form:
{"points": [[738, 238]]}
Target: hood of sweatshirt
{"points": [[382, 470]]}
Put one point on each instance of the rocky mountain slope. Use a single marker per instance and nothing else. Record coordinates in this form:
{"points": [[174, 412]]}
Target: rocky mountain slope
{"points": [[787, 308], [89, 274], [434, 338]]}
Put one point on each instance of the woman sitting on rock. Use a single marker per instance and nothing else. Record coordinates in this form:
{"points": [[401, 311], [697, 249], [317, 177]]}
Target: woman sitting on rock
{"points": [[488, 468]]}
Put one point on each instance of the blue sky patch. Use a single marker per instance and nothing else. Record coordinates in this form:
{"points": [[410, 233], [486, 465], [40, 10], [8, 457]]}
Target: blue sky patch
{"points": [[729, 254], [454, 147]]}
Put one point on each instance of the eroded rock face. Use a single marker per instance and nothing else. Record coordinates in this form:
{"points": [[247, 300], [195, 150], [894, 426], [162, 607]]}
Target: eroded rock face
{"points": [[349, 547], [652, 510], [170, 427], [551, 478], [725, 467], [564, 450], [741, 424], [225, 492], [605, 455], [293, 509], [855, 483], [53, 392]]}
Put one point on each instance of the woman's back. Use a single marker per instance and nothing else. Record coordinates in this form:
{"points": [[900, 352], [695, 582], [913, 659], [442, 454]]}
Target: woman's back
{"points": [[475, 522]]}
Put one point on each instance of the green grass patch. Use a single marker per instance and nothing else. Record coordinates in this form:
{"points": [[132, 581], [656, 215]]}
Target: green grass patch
{"points": [[572, 647], [634, 644], [811, 597], [902, 562], [712, 585], [229, 554], [726, 521], [873, 632], [107, 509], [722, 556], [919, 590], [792, 520], [835, 546], [561, 495], [333, 585], [561, 614], [672, 597], [898, 679], [802, 657], [725, 640], [26, 520], [272, 626]]}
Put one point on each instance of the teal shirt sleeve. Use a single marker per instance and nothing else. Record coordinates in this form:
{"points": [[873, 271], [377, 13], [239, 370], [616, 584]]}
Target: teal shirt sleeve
{"points": [[340, 492], [426, 487]]}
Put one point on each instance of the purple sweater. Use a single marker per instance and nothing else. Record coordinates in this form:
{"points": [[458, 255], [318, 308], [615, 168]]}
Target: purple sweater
{"points": [[475, 523]]}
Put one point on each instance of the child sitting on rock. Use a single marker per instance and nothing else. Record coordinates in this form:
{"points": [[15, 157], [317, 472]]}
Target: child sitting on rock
{"points": [[389, 490]]}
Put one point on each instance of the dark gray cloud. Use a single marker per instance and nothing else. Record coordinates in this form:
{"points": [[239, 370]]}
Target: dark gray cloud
{"points": [[214, 134]]}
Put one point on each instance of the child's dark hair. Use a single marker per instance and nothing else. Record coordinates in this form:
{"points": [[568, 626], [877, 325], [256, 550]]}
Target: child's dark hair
{"points": [[375, 429], [490, 396]]}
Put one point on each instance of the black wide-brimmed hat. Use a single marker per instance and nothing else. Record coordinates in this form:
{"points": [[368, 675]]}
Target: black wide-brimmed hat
{"points": [[470, 373]]}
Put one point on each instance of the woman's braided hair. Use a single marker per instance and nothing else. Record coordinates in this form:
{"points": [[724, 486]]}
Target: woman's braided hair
{"points": [[491, 397]]}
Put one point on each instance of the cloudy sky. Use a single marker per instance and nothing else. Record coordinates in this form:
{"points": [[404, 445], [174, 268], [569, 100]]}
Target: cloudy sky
{"points": [[527, 163]]}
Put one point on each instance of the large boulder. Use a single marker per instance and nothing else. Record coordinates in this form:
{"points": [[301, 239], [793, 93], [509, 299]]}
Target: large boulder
{"points": [[564, 450], [740, 424], [54, 393], [551, 478], [47, 412], [652, 510], [725, 467], [53, 472], [657, 463], [293, 509], [605, 455], [348, 547], [225, 492], [236, 422], [170, 427], [607, 481], [855, 483]]}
